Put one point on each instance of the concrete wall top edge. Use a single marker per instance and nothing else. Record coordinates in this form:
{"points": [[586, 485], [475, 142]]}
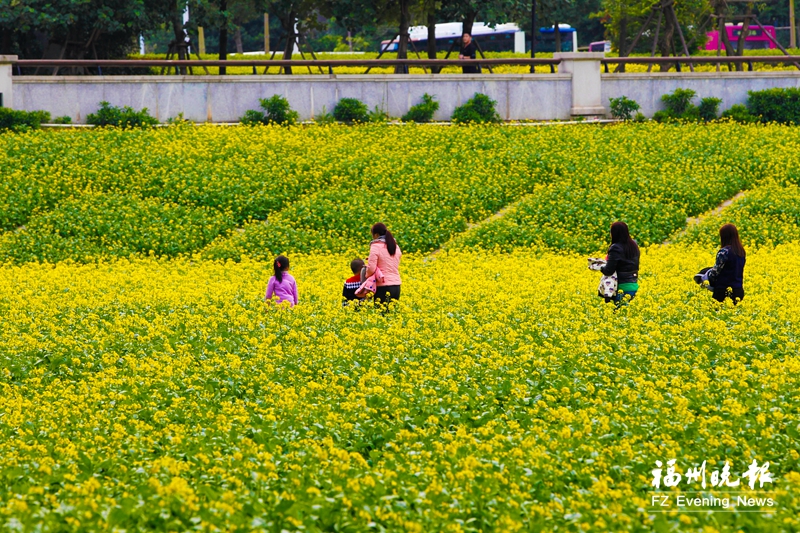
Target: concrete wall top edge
{"points": [[701, 75], [294, 78]]}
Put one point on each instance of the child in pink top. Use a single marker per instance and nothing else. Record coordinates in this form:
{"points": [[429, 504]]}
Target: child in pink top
{"points": [[282, 285]]}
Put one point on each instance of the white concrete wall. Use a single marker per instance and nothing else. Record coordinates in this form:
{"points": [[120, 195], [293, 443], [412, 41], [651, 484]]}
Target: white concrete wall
{"points": [[584, 67], [216, 99], [6, 81], [732, 87], [519, 97]]}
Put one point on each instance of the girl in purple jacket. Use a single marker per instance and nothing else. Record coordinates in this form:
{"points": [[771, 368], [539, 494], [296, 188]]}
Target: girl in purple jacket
{"points": [[282, 285]]}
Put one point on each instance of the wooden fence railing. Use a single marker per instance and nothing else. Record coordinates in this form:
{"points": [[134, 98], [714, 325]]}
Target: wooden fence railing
{"points": [[677, 61], [95, 66], [255, 64]]}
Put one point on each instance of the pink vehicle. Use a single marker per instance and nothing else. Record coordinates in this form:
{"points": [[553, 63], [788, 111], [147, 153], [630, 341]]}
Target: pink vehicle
{"points": [[756, 38]]}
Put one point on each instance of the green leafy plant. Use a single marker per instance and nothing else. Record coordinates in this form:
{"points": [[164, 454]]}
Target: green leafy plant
{"points": [[325, 117], [252, 117], [276, 110], [679, 102], [66, 119], [351, 110], [178, 120], [623, 107], [422, 112], [679, 107], [709, 108], [664, 116], [640, 117], [739, 113], [479, 109], [121, 117], [378, 115], [775, 105], [17, 120]]}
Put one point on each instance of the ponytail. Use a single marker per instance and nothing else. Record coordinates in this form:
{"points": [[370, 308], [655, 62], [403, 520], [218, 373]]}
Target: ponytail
{"points": [[281, 264], [391, 244]]}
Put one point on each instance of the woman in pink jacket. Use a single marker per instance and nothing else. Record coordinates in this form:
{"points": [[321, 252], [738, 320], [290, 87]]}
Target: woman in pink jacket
{"points": [[384, 254]]}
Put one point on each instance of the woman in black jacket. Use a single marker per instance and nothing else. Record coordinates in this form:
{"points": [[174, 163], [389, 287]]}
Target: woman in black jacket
{"points": [[728, 270], [622, 258]]}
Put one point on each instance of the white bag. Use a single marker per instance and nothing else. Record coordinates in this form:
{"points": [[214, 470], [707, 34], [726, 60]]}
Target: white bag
{"points": [[608, 286], [596, 263]]}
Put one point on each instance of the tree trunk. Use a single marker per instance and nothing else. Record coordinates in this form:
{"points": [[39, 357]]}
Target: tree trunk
{"points": [[291, 37], [179, 35], [237, 39], [533, 34], [432, 37], [667, 42], [722, 8], [743, 36], [402, 48], [223, 38], [5, 42], [623, 37], [557, 37], [469, 21]]}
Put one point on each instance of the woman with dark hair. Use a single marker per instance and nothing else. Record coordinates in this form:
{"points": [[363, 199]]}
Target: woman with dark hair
{"points": [[622, 258], [384, 254], [727, 274]]}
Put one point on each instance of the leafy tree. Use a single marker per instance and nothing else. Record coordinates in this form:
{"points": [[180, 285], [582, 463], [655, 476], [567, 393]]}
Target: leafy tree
{"points": [[295, 16], [625, 18], [108, 27], [225, 16], [489, 11], [577, 13]]}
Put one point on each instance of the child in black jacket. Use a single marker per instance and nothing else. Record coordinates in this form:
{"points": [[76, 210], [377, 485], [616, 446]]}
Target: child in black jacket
{"points": [[352, 283]]}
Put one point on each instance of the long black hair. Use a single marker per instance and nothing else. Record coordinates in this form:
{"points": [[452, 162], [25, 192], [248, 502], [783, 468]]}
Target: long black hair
{"points": [[281, 264], [380, 229], [729, 236], [620, 235]]}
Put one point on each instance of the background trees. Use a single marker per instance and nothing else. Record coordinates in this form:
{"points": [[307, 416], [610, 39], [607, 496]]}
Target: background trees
{"points": [[110, 28], [74, 28]]}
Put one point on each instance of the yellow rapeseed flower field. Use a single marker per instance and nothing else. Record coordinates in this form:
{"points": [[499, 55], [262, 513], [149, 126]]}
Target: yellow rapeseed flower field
{"points": [[145, 385]]}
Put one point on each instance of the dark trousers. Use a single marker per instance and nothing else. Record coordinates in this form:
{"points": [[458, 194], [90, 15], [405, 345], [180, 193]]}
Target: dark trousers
{"points": [[619, 298], [385, 294], [734, 293]]}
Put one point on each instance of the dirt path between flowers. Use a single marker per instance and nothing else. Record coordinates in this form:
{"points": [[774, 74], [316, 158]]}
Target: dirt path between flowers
{"points": [[472, 225], [693, 221]]}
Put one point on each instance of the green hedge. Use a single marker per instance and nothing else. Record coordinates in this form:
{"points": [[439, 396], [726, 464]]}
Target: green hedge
{"points": [[776, 105], [14, 120]]}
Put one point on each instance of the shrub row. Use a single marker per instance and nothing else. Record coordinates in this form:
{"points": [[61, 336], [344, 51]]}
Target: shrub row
{"points": [[14, 120], [276, 110], [107, 115], [770, 105]]}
